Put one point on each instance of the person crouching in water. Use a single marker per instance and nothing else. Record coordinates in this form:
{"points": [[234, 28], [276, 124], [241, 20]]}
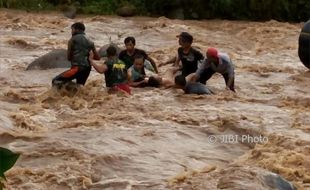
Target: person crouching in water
{"points": [[142, 74], [216, 63], [191, 87], [79, 47], [115, 72]]}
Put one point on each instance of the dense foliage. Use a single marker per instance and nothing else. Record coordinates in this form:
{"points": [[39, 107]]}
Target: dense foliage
{"points": [[283, 10]]}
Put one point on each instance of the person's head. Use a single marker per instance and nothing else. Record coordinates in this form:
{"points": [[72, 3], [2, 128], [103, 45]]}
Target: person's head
{"points": [[111, 51], [185, 39], [212, 55], [154, 82], [180, 81], [139, 61], [130, 43], [77, 27]]}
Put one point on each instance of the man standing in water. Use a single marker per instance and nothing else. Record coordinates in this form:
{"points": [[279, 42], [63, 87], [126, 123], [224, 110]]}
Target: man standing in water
{"points": [[187, 55], [79, 47], [115, 72], [216, 63], [128, 55]]}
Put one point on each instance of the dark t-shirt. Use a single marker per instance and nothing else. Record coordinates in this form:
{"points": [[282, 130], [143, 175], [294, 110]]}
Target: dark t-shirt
{"points": [[116, 73], [189, 61], [129, 59], [196, 88]]}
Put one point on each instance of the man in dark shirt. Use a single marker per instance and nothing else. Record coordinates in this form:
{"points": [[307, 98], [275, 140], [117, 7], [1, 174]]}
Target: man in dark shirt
{"points": [[79, 47], [188, 56], [128, 55]]}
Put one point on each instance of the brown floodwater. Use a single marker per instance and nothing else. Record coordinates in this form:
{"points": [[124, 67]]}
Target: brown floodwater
{"points": [[96, 140]]}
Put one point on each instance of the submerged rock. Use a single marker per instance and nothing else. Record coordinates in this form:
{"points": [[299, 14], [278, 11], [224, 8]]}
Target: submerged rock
{"points": [[103, 49], [236, 177], [58, 58], [55, 59], [247, 177], [126, 11], [70, 12]]}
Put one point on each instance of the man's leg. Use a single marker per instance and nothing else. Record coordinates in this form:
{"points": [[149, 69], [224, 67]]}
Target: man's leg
{"points": [[82, 75], [206, 75], [65, 76]]}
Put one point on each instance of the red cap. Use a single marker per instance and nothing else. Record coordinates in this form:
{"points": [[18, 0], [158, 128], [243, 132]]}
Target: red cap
{"points": [[212, 52]]}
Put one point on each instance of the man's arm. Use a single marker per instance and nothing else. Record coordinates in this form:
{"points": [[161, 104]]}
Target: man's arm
{"points": [[132, 83], [69, 50], [96, 55], [153, 63], [202, 65], [100, 68], [193, 77], [231, 76], [171, 60], [177, 62]]}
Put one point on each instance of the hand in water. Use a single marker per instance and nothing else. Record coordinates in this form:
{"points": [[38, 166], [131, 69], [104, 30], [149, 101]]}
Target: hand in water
{"points": [[175, 70], [146, 80], [91, 56]]}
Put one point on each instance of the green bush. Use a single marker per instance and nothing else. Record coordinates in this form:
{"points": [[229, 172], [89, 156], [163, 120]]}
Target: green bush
{"points": [[29, 4], [283, 10], [7, 161]]}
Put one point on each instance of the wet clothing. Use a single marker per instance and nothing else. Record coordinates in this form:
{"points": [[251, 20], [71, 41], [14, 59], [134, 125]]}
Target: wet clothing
{"points": [[196, 88], [140, 75], [121, 88], [147, 71], [189, 60], [116, 73], [80, 73], [225, 67], [79, 47], [129, 59]]}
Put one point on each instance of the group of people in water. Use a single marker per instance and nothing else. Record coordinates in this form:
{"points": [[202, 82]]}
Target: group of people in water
{"points": [[132, 67]]}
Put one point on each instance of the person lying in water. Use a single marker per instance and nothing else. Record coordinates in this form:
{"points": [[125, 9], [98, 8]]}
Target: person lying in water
{"points": [[142, 74], [128, 55], [79, 47], [115, 72], [216, 62], [191, 87]]}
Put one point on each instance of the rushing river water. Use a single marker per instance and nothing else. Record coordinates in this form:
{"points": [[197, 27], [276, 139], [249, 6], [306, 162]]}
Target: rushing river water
{"points": [[156, 138]]}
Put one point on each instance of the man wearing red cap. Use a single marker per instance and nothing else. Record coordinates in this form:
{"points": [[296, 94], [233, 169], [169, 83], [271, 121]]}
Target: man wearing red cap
{"points": [[216, 63]]}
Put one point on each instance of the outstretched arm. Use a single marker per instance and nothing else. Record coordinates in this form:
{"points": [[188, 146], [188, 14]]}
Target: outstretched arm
{"points": [[171, 60], [177, 62], [69, 50], [96, 54], [192, 77], [100, 68], [153, 63]]}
